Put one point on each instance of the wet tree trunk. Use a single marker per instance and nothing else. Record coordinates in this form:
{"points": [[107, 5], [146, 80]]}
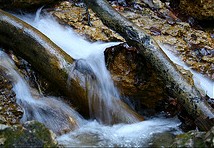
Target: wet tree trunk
{"points": [[176, 84], [52, 62]]}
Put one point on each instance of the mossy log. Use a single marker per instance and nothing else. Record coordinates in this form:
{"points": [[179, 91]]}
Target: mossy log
{"points": [[52, 62], [176, 84]]}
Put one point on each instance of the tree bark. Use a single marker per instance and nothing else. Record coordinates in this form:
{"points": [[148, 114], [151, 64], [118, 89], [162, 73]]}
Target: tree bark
{"points": [[176, 84], [53, 63]]}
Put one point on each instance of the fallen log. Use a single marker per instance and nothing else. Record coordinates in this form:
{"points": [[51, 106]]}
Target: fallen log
{"points": [[53, 63], [176, 84]]}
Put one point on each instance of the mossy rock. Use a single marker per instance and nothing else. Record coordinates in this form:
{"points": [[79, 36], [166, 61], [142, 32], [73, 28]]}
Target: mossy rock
{"points": [[31, 134], [195, 139]]}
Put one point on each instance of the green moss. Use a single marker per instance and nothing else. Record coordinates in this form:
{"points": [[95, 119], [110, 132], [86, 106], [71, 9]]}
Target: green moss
{"points": [[190, 139], [30, 134]]}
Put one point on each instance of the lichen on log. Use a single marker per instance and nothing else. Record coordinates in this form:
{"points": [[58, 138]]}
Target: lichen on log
{"points": [[177, 85]]}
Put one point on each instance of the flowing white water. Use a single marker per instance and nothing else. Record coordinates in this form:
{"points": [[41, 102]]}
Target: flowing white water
{"points": [[60, 118], [120, 135], [89, 56], [89, 133], [50, 111]]}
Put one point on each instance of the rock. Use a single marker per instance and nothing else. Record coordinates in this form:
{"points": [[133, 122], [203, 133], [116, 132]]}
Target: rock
{"points": [[31, 134], [199, 9], [162, 140], [10, 111], [157, 4], [133, 75], [190, 139], [167, 28], [24, 4], [195, 139], [75, 16], [209, 138]]}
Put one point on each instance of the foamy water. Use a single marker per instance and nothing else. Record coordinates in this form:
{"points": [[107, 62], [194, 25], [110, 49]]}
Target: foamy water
{"points": [[120, 135]]}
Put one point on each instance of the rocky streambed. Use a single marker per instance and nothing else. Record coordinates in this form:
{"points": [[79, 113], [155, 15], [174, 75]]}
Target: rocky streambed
{"points": [[14, 132], [194, 46], [10, 112], [146, 90]]}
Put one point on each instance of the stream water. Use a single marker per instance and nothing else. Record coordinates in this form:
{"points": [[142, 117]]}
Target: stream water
{"points": [[48, 110], [58, 116]]}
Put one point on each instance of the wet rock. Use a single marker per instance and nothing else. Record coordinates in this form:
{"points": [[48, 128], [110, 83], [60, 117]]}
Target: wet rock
{"points": [[200, 9], [209, 138], [76, 16], [187, 74], [10, 112], [133, 76], [157, 4], [162, 140], [24, 4], [195, 139], [136, 79], [34, 79], [31, 134], [167, 28]]}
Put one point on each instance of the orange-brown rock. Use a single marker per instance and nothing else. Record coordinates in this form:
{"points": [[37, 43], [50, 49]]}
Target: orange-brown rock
{"points": [[134, 76], [200, 9], [76, 17], [194, 46], [10, 111]]}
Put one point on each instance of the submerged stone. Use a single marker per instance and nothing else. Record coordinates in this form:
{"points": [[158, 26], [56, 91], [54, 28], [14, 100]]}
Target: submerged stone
{"points": [[162, 140], [195, 139]]}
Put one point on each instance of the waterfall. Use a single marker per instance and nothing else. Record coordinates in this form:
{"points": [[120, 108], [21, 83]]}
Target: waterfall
{"points": [[50, 111], [61, 118], [102, 94]]}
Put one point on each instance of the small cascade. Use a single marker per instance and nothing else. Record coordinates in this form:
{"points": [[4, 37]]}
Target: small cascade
{"points": [[60, 118], [50, 111], [102, 93]]}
